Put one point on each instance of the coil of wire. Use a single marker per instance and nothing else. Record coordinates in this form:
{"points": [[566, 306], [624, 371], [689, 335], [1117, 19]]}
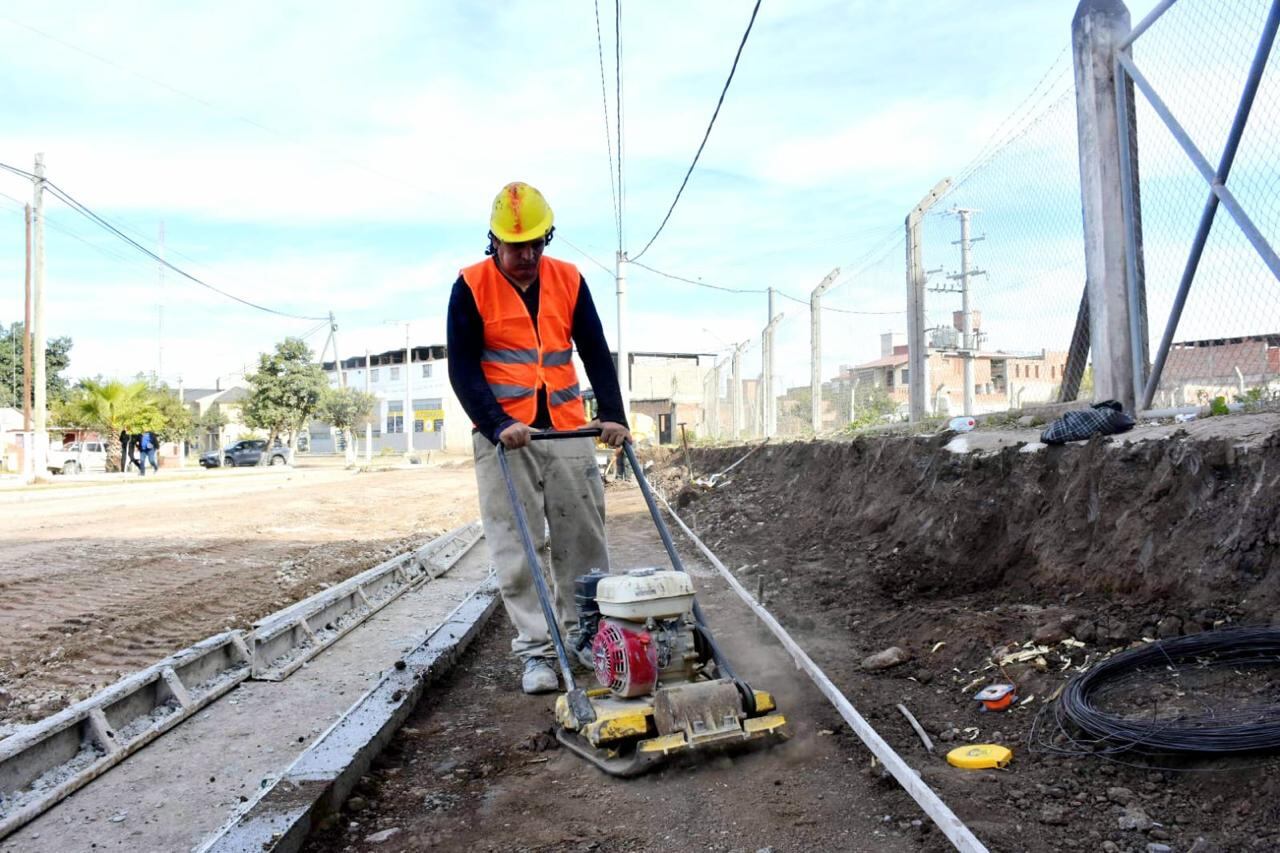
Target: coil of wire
{"points": [[1250, 728]]}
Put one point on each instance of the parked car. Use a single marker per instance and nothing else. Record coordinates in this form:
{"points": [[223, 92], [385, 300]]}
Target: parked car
{"points": [[81, 456], [244, 453]]}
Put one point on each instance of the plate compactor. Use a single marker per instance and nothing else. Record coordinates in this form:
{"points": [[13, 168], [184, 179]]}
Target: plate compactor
{"points": [[665, 687]]}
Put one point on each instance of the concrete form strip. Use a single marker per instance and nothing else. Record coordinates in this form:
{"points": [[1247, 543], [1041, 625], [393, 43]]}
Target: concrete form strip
{"points": [[281, 817], [285, 640], [957, 833], [43, 763]]}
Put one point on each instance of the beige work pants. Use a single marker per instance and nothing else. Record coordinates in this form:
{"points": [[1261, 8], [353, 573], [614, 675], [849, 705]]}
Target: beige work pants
{"points": [[559, 485]]}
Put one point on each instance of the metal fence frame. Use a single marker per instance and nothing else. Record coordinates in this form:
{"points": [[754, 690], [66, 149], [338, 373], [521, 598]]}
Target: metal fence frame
{"points": [[1216, 179]]}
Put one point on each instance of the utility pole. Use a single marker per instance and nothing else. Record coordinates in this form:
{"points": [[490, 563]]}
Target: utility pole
{"points": [[160, 308], [182, 442], [968, 342], [337, 360], [408, 395], [769, 422], [815, 347], [624, 360], [26, 340], [917, 351], [368, 424], [40, 436]]}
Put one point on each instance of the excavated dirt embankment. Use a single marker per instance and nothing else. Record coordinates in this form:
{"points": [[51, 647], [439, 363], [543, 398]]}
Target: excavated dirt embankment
{"points": [[1181, 521], [973, 568]]}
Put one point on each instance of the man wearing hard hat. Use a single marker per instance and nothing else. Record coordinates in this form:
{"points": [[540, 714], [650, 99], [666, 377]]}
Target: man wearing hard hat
{"points": [[514, 321]]}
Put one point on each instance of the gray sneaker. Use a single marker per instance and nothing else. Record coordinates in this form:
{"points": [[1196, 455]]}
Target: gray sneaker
{"points": [[584, 659], [538, 677]]}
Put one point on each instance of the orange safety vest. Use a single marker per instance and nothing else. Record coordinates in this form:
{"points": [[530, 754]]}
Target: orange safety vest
{"points": [[517, 359]]}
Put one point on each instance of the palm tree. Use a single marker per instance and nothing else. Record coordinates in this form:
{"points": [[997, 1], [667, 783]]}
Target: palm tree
{"points": [[107, 407]]}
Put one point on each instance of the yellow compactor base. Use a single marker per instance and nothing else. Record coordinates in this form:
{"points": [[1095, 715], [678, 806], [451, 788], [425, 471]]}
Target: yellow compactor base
{"points": [[624, 739]]}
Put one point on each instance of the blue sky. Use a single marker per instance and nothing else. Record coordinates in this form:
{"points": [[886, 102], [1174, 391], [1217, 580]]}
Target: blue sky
{"points": [[319, 156]]}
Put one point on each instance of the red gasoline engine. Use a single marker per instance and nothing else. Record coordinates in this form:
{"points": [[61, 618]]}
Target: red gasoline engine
{"points": [[640, 628]]}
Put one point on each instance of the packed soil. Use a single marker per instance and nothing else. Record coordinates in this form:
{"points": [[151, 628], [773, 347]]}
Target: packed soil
{"points": [[1022, 567], [477, 766], [101, 580]]}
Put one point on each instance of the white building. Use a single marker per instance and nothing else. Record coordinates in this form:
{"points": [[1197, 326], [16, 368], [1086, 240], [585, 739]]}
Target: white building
{"points": [[439, 423]]}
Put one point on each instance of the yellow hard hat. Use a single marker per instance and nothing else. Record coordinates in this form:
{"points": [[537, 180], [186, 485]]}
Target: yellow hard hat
{"points": [[520, 214]]}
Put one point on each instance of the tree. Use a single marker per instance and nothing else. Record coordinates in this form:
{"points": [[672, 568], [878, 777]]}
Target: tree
{"points": [[871, 404], [214, 420], [176, 422], [108, 407], [57, 357], [346, 408], [284, 391]]}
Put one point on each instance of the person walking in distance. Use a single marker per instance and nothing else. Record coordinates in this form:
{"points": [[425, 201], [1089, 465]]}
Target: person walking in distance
{"points": [[513, 322], [147, 453]]}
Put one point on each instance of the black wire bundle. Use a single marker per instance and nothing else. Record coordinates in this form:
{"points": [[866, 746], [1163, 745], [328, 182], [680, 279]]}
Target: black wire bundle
{"points": [[1214, 730]]}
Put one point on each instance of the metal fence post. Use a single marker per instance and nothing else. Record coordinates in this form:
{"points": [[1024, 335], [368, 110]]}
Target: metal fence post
{"points": [[1097, 31], [768, 411], [815, 349], [917, 352]]}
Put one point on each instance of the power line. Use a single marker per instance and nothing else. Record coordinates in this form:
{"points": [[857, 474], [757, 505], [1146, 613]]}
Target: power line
{"points": [[608, 139], [707, 135], [88, 213], [582, 252], [19, 172], [785, 295], [617, 54], [696, 282], [724, 289]]}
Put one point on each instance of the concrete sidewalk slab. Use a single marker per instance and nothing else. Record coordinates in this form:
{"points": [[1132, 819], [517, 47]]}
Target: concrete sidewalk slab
{"points": [[184, 786]]}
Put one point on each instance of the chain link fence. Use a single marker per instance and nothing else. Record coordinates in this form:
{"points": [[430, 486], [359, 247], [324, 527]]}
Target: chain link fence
{"points": [[1025, 281], [1226, 343], [1006, 325]]}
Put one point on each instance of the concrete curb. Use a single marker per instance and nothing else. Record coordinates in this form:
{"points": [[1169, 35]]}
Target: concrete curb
{"points": [[281, 817], [43, 763], [288, 638]]}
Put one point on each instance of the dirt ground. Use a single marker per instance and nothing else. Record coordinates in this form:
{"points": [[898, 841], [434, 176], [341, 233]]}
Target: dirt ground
{"points": [[477, 768], [102, 580], [963, 559]]}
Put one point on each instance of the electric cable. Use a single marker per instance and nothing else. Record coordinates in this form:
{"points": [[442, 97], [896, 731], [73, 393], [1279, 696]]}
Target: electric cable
{"points": [[785, 295], [617, 70], [1174, 716], [608, 138], [19, 172], [705, 136], [699, 283], [757, 290], [87, 212], [580, 251]]}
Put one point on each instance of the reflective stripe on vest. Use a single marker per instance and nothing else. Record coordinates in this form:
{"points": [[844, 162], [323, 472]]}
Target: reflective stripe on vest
{"points": [[516, 358], [511, 356], [512, 392], [565, 395]]}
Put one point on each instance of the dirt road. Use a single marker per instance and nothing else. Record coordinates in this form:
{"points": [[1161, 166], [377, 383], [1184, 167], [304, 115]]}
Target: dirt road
{"points": [[99, 581], [475, 768]]}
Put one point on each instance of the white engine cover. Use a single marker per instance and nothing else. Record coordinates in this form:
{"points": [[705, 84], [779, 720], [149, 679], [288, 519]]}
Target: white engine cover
{"points": [[641, 594]]}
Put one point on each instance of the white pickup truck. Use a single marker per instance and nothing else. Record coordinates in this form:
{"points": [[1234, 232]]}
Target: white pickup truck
{"points": [[78, 457]]}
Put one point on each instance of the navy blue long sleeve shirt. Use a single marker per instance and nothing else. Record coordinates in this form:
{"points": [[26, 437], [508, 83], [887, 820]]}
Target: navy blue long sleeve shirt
{"points": [[465, 330]]}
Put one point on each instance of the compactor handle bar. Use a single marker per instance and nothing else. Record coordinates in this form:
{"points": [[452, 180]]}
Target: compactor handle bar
{"points": [[676, 563], [585, 432]]}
